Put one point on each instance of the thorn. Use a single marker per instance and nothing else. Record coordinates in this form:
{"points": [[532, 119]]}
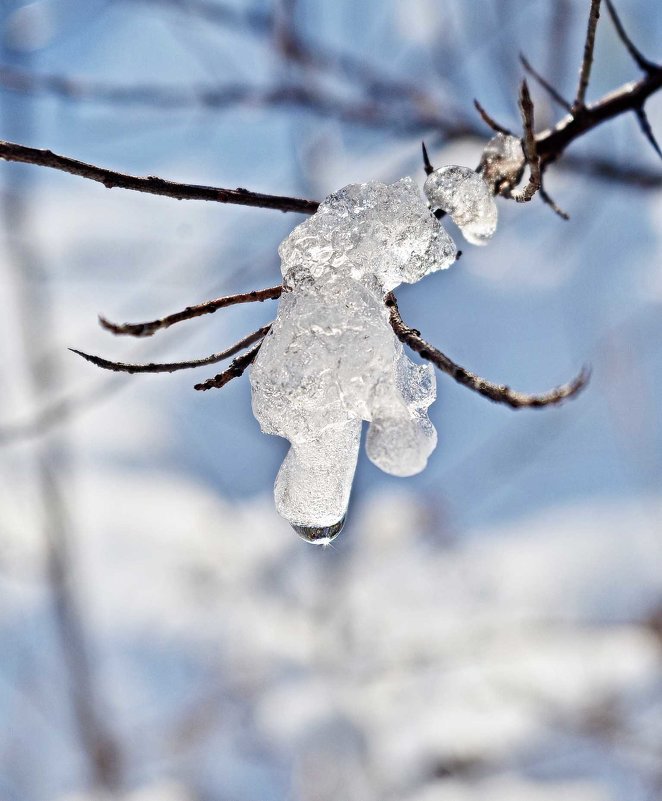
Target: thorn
{"points": [[641, 61], [489, 121], [427, 164], [644, 124], [552, 204], [551, 91]]}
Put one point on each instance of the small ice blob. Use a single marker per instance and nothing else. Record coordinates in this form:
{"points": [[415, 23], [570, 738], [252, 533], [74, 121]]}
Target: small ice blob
{"points": [[331, 359], [502, 162], [462, 193]]}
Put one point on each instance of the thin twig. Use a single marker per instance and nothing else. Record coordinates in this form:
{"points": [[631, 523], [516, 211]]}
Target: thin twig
{"points": [[549, 200], [587, 61], [208, 307], [495, 392], [546, 85], [123, 367], [152, 185], [235, 370], [528, 146], [642, 62], [647, 130], [490, 121]]}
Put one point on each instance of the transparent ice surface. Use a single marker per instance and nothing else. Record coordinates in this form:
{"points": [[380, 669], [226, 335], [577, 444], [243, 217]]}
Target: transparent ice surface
{"points": [[331, 359], [464, 194]]}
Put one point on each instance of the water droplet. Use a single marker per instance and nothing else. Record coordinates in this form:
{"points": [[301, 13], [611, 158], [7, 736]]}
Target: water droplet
{"points": [[319, 535]]}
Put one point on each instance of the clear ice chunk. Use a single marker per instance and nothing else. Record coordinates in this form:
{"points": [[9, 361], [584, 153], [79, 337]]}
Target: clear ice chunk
{"points": [[331, 359], [462, 193]]}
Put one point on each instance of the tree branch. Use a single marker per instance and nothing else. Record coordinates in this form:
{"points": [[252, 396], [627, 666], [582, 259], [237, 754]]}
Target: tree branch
{"points": [[208, 307], [551, 143], [152, 185], [236, 369], [587, 61], [123, 367], [495, 392]]}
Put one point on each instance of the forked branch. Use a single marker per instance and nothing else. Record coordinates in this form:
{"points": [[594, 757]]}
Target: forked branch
{"points": [[171, 367], [236, 369]]}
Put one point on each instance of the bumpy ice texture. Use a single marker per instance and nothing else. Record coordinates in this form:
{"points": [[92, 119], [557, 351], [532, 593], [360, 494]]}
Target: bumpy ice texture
{"points": [[331, 359], [462, 193]]}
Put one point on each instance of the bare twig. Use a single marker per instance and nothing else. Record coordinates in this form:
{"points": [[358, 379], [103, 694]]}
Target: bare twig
{"points": [[528, 146], [546, 85], [587, 61], [209, 307], [646, 129], [495, 392], [235, 370], [546, 197], [642, 62], [152, 185], [122, 367], [490, 121]]}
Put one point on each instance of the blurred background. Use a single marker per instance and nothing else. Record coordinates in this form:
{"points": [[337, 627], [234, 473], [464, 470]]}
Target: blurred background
{"points": [[490, 629]]}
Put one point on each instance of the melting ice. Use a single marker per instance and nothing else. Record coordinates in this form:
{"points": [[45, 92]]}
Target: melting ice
{"points": [[331, 359]]}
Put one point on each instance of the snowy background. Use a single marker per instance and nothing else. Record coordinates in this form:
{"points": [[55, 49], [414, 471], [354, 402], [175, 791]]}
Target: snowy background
{"points": [[490, 629]]}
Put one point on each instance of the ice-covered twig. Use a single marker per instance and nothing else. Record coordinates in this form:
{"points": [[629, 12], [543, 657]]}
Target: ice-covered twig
{"points": [[495, 392], [236, 369], [587, 60], [123, 367], [208, 307]]}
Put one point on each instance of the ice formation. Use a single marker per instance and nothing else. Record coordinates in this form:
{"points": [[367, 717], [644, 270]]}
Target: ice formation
{"points": [[331, 358], [462, 193], [502, 161]]}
